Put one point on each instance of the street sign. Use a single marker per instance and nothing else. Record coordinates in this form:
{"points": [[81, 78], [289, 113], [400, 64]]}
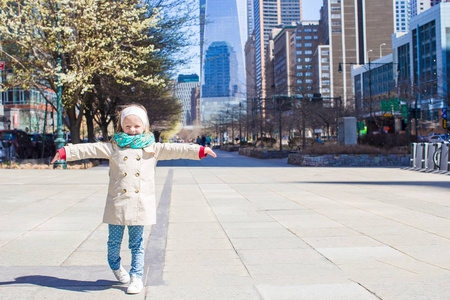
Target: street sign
{"points": [[2, 65], [444, 116], [444, 110], [404, 110]]}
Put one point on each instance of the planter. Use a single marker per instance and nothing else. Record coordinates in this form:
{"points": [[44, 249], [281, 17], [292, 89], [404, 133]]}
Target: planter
{"points": [[229, 148], [264, 154], [350, 160]]}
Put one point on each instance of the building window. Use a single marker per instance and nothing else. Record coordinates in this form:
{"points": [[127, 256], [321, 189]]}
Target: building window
{"points": [[299, 74], [308, 37], [299, 52], [298, 37], [335, 16], [325, 75], [309, 45], [299, 67], [309, 74], [299, 60], [325, 52], [308, 59], [308, 52], [298, 45], [325, 60]]}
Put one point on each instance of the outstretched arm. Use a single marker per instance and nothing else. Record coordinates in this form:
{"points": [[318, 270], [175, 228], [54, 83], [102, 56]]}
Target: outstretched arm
{"points": [[210, 152], [56, 157], [83, 151], [166, 151]]}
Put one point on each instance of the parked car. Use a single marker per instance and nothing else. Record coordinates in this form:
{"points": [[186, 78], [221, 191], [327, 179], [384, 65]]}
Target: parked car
{"points": [[18, 142], [437, 138], [49, 146]]}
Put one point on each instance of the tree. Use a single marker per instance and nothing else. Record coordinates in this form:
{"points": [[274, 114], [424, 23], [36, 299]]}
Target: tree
{"points": [[171, 40], [81, 35]]}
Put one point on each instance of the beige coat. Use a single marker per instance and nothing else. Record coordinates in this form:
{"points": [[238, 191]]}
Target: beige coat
{"points": [[131, 192]]}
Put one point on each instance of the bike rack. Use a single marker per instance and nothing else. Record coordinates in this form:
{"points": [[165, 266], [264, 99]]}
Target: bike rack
{"points": [[430, 156]]}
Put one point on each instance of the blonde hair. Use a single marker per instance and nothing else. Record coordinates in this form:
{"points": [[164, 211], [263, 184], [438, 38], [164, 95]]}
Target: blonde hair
{"points": [[119, 116]]}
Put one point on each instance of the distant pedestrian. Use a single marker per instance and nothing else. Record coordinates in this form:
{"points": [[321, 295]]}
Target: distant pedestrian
{"points": [[199, 140], [132, 154], [203, 143], [208, 141]]}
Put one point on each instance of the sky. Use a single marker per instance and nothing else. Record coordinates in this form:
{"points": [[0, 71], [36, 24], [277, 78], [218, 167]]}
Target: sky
{"points": [[310, 12]]}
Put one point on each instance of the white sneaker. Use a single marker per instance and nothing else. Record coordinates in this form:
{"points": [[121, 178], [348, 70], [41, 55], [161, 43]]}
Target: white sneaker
{"points": [[122, 275], [136, 285]]}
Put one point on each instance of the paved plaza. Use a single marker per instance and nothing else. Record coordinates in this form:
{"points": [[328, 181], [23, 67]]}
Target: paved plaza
{"points": [[233, 227]]}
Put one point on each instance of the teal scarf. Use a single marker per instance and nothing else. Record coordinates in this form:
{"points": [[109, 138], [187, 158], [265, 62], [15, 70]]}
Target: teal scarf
{"points": [[133, 141]]}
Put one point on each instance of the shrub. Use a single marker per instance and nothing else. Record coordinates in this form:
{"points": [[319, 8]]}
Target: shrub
{"points": [[388, 141], [332, 148]]}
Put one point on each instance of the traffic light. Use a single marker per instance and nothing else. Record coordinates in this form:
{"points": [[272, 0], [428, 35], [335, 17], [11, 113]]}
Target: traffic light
{"points": [[317, 98], [414, 113]]}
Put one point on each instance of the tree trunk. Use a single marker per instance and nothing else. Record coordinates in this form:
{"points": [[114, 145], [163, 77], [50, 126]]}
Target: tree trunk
{"points": [[157, 135], [90, 124], [89, 115], [304, 130], [75, 123]]}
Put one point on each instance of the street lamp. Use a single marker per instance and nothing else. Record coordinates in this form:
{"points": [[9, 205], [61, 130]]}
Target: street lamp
{"points": [[381, 53], [59, 141], [368, 55], [240, 125]]}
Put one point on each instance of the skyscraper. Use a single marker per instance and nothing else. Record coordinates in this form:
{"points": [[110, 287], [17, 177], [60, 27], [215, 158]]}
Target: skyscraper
{"points": [[356, 32], [225, 23], [268, 15], [402, 15], [220, 71], [183, 91], [420, 6]]}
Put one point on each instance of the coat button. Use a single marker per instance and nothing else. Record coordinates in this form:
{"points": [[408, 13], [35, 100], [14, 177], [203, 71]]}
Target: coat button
{"points": [[125, 158], [124, 174], [136, 191], [137, 174], [138, 158], [124, 191]]}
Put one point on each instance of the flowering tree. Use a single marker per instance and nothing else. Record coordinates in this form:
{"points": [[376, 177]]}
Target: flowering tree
{"points": [[69, 43]]}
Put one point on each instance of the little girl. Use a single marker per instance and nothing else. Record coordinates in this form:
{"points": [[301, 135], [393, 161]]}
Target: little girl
{"points": [[132, 155]]}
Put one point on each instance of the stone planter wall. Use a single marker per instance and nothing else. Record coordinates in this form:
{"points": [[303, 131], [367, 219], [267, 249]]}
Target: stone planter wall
{"points": [[350, 160], [229, 148], [265, 154]]}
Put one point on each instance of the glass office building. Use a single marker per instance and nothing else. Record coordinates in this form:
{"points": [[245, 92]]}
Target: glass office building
{"points": [[225, 32]]}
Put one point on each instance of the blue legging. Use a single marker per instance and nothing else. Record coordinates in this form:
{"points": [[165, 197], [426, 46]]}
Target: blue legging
{"points": [[135, 244]]}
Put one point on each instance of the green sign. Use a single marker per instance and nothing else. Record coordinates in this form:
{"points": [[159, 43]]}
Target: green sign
{"points": [[404, 110], [390, 105]]}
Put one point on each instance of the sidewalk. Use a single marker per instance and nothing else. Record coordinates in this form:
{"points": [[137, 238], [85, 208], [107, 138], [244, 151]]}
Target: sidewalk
{"points": [[234, 228]]}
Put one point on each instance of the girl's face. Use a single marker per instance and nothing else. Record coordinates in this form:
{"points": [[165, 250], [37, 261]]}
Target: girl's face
{"points": [[132, 125]]}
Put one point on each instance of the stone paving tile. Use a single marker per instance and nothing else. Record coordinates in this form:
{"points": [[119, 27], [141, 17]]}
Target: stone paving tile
{"points": [[321, 291], [238, 228], [203, 292]]}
